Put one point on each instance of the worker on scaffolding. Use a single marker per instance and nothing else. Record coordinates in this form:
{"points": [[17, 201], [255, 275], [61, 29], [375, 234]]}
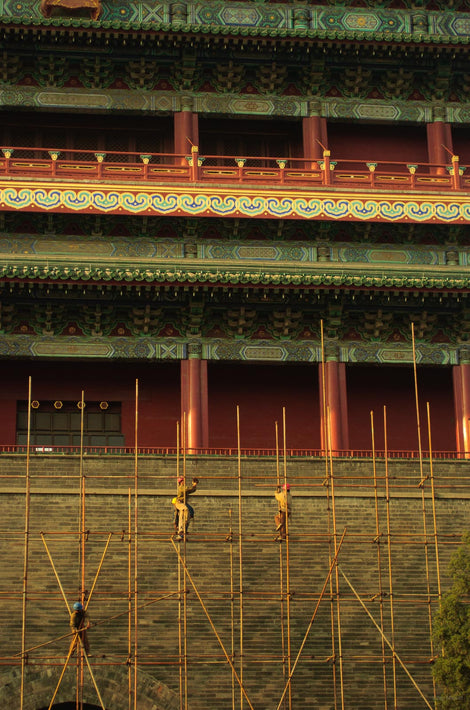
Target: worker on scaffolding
{"points": [[184, 512], [283, 498], [79, 623]]}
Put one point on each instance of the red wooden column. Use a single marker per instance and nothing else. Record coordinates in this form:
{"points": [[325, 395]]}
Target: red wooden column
{"points": [[333, 391], [461, 378], [314, 137], [439, 135], [194, 403], [186, 128]]}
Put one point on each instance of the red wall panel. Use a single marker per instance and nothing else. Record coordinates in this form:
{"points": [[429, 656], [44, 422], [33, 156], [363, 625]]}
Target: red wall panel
{"points": [[372, 388], [377, 142], [158, 403], [261, 391]]}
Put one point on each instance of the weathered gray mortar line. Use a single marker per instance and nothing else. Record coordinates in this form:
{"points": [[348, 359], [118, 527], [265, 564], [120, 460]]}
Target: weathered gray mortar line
{"points": [[232, 493]]}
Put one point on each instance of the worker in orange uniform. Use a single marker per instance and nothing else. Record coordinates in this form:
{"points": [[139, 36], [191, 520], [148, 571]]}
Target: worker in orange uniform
{"points": [[283, 498], [184, 512]]}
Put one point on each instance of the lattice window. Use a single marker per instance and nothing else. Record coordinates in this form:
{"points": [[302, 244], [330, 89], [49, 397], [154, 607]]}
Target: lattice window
{"points": [[59, 424]]}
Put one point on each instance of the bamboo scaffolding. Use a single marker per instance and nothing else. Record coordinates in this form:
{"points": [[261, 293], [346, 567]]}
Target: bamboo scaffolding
{"points": [[377, 540], [389, 554], [332, 483], [180, 616], [77, 640], [82, 539], [180, 640], [26, 549], [240, 554], [335, 547], [326, 483], [281, 566], [387, 641], [136, 540], [309, 627], [288, 590], [129, 599], [185, 588], [423, 505], [227, 657], [433, 499], [232, 605]]}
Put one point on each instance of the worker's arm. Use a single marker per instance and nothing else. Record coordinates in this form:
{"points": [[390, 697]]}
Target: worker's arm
{"points": [[190, 489]]}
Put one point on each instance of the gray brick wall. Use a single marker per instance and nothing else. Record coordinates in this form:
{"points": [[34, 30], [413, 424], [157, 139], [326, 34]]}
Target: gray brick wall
{"points": [[214, 565]]}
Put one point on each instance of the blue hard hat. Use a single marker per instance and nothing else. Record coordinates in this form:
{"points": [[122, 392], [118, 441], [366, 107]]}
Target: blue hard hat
{"points": [[78, 606]]}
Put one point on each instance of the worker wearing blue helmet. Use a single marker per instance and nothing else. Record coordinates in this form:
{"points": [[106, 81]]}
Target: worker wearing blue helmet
{"points": [[79, 623]]}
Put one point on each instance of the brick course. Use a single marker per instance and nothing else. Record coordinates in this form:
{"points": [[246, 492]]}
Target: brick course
{"points": [[213, 563]]}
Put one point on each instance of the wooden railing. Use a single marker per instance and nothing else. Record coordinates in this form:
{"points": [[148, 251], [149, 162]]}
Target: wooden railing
{"points": [[50, 450], [83, 166]]}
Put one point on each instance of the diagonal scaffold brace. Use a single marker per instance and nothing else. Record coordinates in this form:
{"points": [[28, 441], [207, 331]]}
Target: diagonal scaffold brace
{"points": [[229, 661], [395, 654], [330, 572]]}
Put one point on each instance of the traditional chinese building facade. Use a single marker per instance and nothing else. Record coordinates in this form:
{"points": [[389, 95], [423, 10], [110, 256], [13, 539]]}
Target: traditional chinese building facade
{"points": [[214, 199]]}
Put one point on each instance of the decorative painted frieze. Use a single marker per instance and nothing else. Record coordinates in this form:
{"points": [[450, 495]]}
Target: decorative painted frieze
{"points": [[270, 19], [216, 202]]}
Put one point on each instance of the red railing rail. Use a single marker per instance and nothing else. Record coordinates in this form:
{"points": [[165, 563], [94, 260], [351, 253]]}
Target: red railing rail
{"points": [[46, 449], [329, 171]]}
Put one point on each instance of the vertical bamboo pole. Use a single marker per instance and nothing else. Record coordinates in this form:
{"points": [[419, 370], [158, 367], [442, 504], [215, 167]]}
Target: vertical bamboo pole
{"points": [[82, 501], [335, 542], [323, 395], [283, 636], [240, 553], [136, 539], [185, 581], [433, 503], [423, 504], [129, 598], [180, 606], [288, 594], [232, 609], [180, 638], [26, 548], [379, 558], [434, 518], [418, 420], [82, 544], [328, 511], [281, 575], [276, 432], [177, 450], [389, 550]]}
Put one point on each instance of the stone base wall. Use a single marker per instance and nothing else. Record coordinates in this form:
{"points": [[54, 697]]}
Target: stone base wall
{"points": [[252, 599]]}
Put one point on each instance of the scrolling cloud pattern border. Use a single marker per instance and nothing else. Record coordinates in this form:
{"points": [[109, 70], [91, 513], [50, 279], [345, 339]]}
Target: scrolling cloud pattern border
{"points": [[329, 206]]}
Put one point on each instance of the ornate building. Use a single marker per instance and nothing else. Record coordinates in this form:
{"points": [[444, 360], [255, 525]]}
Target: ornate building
{"points": [[213, 198]]}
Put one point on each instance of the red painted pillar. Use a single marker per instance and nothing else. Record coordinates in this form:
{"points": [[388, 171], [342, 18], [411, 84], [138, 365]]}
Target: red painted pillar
{"points": [[439, 135], [333, 392], [461, 378], [314, 137], [186, 130], [194, 403]]}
